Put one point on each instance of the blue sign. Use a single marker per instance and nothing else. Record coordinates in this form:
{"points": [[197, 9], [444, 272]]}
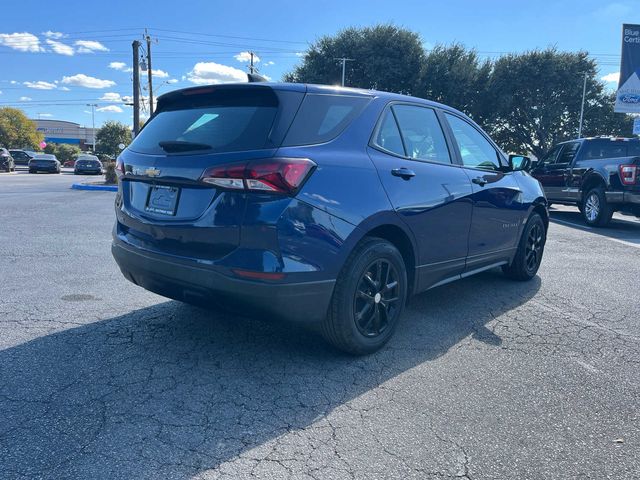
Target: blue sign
{"points": [[636, 126], [628, 95]]}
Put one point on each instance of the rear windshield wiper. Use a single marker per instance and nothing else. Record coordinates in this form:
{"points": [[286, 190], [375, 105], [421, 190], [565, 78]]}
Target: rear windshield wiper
{"points": [[179, 146]]}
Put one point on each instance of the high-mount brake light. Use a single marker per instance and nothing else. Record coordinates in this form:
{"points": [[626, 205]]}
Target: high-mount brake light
{"points": [[272, 175], [629, 174]]}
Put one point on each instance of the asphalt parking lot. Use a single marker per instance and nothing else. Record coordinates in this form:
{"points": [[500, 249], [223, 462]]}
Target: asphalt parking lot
{"points": [[484, 379]]}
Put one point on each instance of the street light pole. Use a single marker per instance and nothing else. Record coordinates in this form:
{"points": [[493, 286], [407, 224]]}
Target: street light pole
{"points": [[93, 125], [584, 93], [344, 66]]}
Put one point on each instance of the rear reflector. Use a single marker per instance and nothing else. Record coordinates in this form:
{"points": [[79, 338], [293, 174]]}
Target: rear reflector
{"points": [[628, 174], [259, 275], [272, 175]]}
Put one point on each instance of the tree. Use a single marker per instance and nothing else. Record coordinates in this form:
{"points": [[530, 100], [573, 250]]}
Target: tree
{"points": [[17, 131], [385, 57], [536, 96], [600, 119], [110, 136], [455, 76]]}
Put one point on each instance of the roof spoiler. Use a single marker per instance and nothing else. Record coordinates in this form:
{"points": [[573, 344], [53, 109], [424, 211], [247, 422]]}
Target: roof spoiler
{"points": [[254, 77]]}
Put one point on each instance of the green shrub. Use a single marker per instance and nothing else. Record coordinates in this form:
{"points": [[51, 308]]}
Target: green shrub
{"points": [[110, 173]]}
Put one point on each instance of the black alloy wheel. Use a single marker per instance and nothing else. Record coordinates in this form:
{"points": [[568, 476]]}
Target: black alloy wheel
{"points": [[533, 248], [376, 298]]}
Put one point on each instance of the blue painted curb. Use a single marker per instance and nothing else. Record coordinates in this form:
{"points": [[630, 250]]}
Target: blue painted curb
{"points": [[82, 186]]}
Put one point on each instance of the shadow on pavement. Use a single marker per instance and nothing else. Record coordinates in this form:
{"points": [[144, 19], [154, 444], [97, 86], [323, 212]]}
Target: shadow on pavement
{"points": [[626, 228], [172, 390]]}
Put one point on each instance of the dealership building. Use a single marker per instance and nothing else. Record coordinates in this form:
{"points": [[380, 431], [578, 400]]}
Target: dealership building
{"points": [[61, 131]]}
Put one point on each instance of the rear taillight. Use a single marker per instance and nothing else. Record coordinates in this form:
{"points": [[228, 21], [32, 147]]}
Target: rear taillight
{"points": [[119, 167], [273, 175], [628, 174]]}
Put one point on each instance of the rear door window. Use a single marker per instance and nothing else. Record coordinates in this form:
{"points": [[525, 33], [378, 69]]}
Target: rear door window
{"points": [[421, 133], [223, 121], [322, 118], [604, 149]]}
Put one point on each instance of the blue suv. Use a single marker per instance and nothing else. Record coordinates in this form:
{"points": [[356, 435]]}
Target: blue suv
{"points": [[324, 205]]}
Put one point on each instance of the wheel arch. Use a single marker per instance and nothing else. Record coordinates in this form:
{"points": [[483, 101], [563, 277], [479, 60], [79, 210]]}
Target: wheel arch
{"points": [[388, 227], [592, 180]]}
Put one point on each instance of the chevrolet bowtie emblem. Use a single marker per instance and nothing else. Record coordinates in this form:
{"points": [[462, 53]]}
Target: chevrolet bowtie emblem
{"points": [[152, 172]]}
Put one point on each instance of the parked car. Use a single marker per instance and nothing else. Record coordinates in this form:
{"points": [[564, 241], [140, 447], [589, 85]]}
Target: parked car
{"points": [[44, 162], [21, 157], [87, 164], [6, 161], [598, 175], [318, 204]]}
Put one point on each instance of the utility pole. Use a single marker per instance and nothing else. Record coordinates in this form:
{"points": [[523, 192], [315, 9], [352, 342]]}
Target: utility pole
{"points": [[344, 66], [584, 93], [252, 68], [136, 87], [149, 72], [93, 125]]}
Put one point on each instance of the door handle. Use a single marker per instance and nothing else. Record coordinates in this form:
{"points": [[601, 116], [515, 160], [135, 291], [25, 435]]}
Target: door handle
{"points": [[404, 173], [479, 181]]}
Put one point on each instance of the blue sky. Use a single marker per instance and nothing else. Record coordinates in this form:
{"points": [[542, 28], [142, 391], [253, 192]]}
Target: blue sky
{"points": [[58, 56]]}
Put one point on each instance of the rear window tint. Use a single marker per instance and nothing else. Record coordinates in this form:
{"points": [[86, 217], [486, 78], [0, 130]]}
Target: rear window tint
{"points": [[225, 121], [322, 118], [606, 149], [633, 149]]}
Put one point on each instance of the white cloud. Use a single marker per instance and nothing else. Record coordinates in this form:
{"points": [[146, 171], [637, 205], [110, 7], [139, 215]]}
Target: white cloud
{"points": [[13, 82], [160, 73], [120, 66], [90, 46], [24, 42], [211, 72], [40, 85], [54, 35], [110, 109], [172, 81], [25, 99], [0, 92], [269, 63], [82, 80], [266, 77], [300, 54], [66, 89], [116, 98], [246, 57], [60, 47], [45, 115], [111, 97], [611, 77]]}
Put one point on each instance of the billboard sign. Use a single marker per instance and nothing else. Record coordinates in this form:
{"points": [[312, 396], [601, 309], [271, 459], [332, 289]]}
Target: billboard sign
{"points": [[628, 94]]}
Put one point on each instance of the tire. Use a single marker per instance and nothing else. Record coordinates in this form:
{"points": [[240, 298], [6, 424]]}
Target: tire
{"points": [[359, 290], [526, 261], [596, 211]]}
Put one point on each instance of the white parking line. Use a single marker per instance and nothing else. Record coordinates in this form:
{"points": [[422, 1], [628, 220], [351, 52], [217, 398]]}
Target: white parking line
{"points": [[587, 228]]}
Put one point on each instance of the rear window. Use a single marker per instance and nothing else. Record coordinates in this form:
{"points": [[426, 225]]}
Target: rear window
{"points": [[322, 118], [223, 121]]}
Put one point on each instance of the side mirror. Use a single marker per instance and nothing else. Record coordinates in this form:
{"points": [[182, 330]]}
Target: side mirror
{"points": [[519, 162]]}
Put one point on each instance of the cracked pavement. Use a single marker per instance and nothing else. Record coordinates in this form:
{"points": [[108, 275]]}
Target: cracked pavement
{"points": [[485, 378]]}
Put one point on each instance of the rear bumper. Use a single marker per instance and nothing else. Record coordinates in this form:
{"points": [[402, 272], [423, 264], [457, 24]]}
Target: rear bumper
{"points": [[87, 170], [43, 169], [186, 281], [623, 197]]}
